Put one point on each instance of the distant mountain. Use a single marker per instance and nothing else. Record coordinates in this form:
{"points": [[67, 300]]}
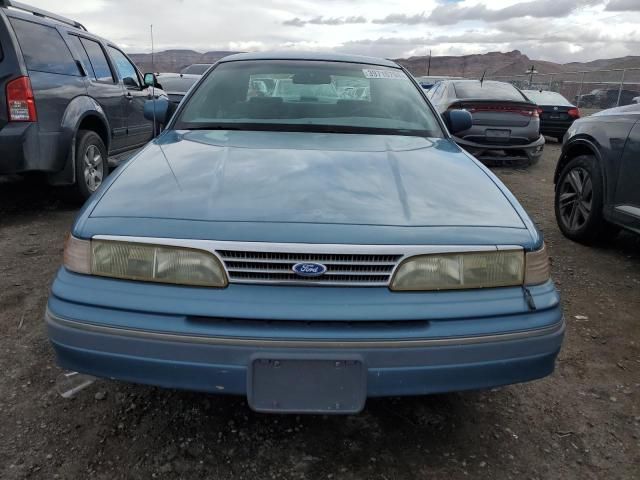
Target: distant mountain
{"points": [[509, 63], [495, 63], [175, 60]]}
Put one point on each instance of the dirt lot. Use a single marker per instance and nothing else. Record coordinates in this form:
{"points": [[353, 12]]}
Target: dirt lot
{"points": [[582, 422]]}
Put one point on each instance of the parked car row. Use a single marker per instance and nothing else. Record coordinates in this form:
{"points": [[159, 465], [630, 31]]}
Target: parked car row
{"points": [[607, 98]]}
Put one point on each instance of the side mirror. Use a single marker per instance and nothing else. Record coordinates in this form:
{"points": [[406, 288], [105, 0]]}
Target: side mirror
{"points": [[150, 80], [158, 109], [130, 83], [457, 120]]}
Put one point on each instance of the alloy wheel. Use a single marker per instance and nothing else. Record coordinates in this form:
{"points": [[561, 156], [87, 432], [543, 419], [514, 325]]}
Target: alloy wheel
{"points": [[93, 168], [575, 200]]}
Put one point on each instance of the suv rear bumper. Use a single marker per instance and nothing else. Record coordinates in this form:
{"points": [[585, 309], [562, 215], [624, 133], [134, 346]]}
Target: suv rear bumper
{"points": [[503, 153], [23, 148], [19, 147]]}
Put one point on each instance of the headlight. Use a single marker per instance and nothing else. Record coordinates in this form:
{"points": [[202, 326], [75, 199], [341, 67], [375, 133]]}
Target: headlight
{"points": [[456, 271], [144, 262]]}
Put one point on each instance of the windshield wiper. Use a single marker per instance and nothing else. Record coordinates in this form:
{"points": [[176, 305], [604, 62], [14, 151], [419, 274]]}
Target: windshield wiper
{"points": [[304, 127]]}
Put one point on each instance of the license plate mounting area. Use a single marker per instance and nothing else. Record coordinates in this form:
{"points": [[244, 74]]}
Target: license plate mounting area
{"points": [[298, 384]]}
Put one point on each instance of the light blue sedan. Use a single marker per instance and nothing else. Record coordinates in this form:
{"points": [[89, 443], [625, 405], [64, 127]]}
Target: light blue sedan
{"points": [[306, 251]]}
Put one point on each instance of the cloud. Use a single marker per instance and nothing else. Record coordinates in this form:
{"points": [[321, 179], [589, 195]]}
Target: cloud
{"points": [[570, 30], [623, 6], [298, 22], [403, 18], [295, 22], [447, 14]]}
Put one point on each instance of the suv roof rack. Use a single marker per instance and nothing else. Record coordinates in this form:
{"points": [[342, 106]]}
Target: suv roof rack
{"points": [[41, 13]]}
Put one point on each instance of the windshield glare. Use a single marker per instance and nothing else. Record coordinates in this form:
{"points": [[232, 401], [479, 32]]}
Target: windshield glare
{"points": [[309, 95]]}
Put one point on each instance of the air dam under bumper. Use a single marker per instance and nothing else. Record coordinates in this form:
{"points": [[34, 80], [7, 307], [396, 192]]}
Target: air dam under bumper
{"points": [[504, 153], [221, 364]]}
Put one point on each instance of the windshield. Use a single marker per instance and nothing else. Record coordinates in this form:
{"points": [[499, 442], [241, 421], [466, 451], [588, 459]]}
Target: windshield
{"points": [[309, 96], [547, 98], [488, 90]]}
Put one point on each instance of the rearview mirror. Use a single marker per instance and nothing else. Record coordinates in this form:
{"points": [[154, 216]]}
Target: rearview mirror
{"points": [[457, 120]]}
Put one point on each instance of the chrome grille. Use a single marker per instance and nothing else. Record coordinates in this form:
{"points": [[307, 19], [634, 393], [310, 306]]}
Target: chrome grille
{"points": [[276, 267]]}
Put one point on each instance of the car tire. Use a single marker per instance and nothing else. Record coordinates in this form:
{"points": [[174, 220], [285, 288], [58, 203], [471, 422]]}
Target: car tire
{"points": [[91, 164], [579, 201]]}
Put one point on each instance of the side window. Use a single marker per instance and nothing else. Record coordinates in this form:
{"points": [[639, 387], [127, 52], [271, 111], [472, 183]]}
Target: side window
{"points": [[82, 55], [101, 69], [126, 70], [44, 49]]}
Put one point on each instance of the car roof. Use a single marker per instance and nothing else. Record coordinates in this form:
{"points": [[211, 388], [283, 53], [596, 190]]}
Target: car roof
{"points": [[45, 20], [318, 56]]}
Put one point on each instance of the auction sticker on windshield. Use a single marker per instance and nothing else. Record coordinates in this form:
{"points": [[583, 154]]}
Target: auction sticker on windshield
{"points": [[387, 74]]}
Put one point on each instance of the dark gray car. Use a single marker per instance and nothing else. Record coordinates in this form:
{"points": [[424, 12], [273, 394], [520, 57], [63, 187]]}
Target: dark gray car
{"points": [[598, 176], [506, 124], [176, 85], [196, 69], [69, 101]]}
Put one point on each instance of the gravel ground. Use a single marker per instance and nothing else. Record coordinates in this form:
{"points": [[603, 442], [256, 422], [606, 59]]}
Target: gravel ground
{"points": [[582, 422]]}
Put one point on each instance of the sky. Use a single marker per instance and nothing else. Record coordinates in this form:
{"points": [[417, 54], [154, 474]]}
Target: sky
{"points": [[554, 30]]}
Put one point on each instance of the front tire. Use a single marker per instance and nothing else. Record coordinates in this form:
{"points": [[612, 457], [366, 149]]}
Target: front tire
{"points": [[579, 202], [91, 163]]}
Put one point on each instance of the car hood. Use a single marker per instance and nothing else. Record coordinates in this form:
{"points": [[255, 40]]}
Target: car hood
{"points": [[280, 177]]}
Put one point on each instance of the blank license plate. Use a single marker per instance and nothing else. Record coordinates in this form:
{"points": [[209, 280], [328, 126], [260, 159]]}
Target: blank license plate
{"points": [[301, 385], [499, 134]]}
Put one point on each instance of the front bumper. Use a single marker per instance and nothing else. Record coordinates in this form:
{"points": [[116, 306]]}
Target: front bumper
{"points": [[504, 153], [220, 365], [404, 356]]}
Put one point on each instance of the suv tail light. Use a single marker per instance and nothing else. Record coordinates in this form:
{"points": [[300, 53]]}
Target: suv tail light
{"points": [[20, 101], [574, 112]]}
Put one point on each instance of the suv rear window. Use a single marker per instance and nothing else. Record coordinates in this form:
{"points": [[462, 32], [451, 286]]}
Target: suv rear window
{"points": [[43, 48], [488, 91]]}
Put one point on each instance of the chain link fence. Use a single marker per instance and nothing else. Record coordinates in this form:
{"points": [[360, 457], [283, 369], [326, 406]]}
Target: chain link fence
{"points": [[589, 90]]}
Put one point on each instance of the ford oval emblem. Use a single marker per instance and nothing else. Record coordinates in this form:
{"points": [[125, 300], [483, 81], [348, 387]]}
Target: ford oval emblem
{"points": [[309, 269]]}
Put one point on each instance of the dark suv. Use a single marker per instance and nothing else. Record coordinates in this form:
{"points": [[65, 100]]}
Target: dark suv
{"points": [[68, 100]]}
